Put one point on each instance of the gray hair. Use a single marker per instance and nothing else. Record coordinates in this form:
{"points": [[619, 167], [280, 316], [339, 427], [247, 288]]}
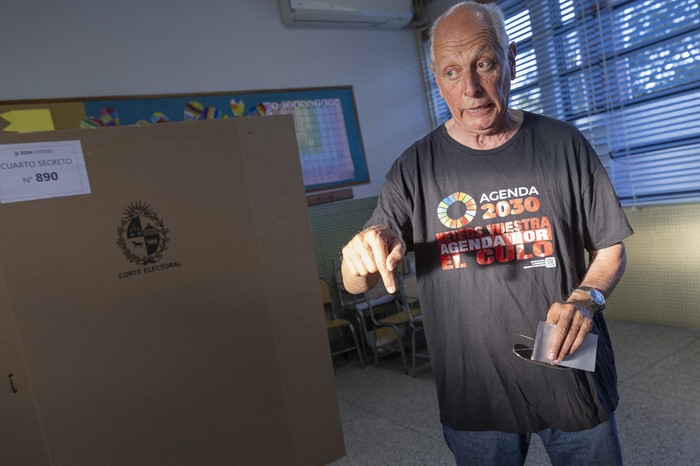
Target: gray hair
{"points": [[492, 12]]}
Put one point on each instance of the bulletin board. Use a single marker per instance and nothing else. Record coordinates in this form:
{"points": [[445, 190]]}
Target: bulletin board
{"points": [[325, 119]]}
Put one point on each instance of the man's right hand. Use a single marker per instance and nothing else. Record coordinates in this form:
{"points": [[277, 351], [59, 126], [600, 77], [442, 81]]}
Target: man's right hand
{"points": [[373, 253]]}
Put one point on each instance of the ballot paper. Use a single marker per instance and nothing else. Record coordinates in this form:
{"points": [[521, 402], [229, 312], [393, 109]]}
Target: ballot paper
{"points": [[583, 358]]}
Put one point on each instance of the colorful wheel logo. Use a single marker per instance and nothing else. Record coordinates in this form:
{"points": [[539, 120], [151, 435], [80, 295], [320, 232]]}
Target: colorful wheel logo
{"points": [[468, 203]]}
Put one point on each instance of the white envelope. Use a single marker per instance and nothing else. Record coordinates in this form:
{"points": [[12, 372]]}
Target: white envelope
{"points": [[583, 358]]}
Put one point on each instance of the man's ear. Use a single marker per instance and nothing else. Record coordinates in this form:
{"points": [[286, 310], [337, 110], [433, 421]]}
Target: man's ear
{"points": [[512, 49]]}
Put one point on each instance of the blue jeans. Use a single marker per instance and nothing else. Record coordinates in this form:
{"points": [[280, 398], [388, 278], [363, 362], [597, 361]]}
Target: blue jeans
{"points": [[597, 446]]}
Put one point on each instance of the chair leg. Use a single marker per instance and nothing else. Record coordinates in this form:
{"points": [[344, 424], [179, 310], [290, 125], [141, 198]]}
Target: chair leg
{"points": [[375, 350], [413, 352], [400, 342], [364, 340], [401, 348], [357, 345], [371, 339], [405, 363]]}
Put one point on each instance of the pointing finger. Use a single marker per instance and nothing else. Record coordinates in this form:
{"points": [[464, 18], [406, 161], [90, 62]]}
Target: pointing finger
{"points": [[397, 249], [381, 259]]}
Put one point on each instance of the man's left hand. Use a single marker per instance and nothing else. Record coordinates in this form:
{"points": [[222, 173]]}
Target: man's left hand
{"points": [[573, 321]]}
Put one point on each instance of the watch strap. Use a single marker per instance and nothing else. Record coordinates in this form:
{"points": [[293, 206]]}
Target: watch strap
{"points": [[589, 290]]}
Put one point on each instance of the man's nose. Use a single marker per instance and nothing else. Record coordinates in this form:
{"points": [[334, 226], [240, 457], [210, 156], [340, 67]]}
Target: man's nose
{"points": [[470, 84]]}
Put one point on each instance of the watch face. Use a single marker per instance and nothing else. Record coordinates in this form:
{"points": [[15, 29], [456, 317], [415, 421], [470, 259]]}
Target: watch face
{"points": [[597, 297]]}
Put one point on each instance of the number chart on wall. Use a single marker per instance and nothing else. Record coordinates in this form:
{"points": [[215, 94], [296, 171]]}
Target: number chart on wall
{"points": [[325, 120]]}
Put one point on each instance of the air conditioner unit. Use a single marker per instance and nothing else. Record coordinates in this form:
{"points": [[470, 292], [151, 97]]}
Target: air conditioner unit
{"points": [[347, 13]]}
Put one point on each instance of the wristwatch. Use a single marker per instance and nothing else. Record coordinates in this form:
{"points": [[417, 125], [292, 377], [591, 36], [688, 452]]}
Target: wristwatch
{"points": [[596, 296]]}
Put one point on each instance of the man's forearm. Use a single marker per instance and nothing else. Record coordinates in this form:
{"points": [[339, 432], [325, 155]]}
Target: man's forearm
{"points": [[606, 268], [574, 318], [604, 271]]}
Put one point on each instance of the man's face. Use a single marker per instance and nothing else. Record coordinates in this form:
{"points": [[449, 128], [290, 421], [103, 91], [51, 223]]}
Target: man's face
{"points": [[472, 73]]}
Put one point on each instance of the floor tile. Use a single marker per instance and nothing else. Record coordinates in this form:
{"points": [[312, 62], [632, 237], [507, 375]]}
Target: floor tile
{"points": [[390, 418], [638, 346], [392, 395], [373, 441], [658, 430], [677, 375]]}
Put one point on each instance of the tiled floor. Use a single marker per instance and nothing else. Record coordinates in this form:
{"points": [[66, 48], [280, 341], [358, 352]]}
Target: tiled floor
{"points": [[390, 418]]}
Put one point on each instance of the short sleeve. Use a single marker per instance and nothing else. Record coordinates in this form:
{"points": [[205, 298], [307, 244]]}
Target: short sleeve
{"points": [[605, 220], [395, 202]]}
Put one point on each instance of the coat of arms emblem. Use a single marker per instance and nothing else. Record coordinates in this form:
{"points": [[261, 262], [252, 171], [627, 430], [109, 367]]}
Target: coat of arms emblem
{"points": [[143, 236]]}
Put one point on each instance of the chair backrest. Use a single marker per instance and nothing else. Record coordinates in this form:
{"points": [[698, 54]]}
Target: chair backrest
{"points": [[327, 299], [409, 287], [325, 292], [408, 265], [408, 296], [364, 303], [377, 293], [346, 299]]}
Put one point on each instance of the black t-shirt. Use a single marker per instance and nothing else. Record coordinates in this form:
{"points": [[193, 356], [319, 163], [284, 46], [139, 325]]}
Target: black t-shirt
{"points": [[499, 235]]}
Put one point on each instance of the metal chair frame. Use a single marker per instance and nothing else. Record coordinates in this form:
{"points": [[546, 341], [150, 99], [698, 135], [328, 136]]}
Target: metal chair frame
{"points": [[385, 315], [338, 323], [408, 288]]}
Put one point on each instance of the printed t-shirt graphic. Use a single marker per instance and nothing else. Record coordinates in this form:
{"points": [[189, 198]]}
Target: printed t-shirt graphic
{"points": [[510, 229]]}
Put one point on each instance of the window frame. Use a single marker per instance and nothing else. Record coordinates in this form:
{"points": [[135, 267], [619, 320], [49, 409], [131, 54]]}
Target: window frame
{"points": [[603, 117]]}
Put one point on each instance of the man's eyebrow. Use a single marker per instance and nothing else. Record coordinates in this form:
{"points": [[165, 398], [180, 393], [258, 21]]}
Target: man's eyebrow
{"points": [[486, 50]]}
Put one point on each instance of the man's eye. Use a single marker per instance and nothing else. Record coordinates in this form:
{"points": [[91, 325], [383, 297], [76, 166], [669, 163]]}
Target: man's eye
{"points": [[484, 65], [451, 74]]}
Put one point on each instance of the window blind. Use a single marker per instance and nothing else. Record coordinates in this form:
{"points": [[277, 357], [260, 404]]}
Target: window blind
{"points": [[626, 73]]}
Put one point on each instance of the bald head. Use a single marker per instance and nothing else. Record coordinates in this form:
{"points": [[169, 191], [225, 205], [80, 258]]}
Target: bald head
{"points": [[487, 13]]}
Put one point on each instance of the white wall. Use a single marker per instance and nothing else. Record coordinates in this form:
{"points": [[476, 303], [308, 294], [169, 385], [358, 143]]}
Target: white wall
{"points": [[435, 8], [82, 48]]}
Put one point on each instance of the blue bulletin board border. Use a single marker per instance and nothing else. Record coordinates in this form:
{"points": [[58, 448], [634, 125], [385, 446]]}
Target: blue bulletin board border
{"points": [[147, 109], [331, 157]]}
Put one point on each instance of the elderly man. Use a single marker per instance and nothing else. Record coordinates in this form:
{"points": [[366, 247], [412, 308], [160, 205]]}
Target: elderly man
{"points": [[501, 208]]}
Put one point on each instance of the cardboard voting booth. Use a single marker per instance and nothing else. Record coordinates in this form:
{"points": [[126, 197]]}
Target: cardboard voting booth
{"points": [[160, 304]]}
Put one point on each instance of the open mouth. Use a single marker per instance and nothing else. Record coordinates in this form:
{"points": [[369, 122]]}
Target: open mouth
{"points": [[479, 109]]}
